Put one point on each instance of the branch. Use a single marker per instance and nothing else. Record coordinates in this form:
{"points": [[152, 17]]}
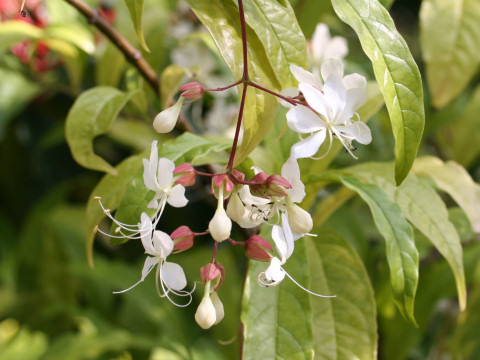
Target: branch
{"points": [[131, 54]]}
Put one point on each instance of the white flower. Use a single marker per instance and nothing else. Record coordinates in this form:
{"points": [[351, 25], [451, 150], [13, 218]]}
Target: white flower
{"points": [[333, 107], [158, 177], [170, 277], [205, 316], [323, 47], [220, 226], [166, 119]]}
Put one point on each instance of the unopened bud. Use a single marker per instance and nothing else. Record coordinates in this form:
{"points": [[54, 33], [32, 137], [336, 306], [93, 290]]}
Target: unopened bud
{"points": [[166, 120], [220, 226], [209, 272], [192, 90], [277, 185], [259, 185], [206, 314], [256, 248], [188, 174], [182, 238], [217, 304], [218, 181], [300, 220]]}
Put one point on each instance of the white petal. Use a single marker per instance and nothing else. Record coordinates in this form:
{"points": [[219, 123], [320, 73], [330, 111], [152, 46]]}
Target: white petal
{"points": [[320, 39], [173, 276], [309, 146], [149, 264], [274, 271], [176, 196], [219, 311], [355, 81], [332, 67], [303, 120], [166, 120], [162, 243], [280, 242], [336, 95], [146, 238], [165, 173], [355, 99], [337, 48], [288, 92], [153, 204], [291, 172], [306, 77], [316, 99], [287, 231], [357, 131], [150, 168]]}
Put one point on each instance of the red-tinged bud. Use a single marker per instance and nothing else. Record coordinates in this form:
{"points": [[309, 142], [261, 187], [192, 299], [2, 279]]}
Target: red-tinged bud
{"points": [[188, 174], [259, 186], [182, 238], [222, 275], [219, 180], [238, 175], [209, 272], [277, 185], [256, 248], [192, 90]]}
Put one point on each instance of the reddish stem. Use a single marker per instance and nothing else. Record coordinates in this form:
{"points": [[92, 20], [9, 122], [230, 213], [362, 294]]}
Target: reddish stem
{"points": [[244, 39], [286, 98], [237, 130], [214, 255], [226, 87], [233, 242]]}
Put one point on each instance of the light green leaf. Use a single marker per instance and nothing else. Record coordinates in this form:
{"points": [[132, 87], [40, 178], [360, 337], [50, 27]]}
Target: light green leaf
{"points": [[452, 56], [454, 180], [110, 66], [13, 32], [74, 34], [339, 328], [171, 80], [402, 255], [92, 114], [111, 189], [396, 73], [425, 209], [135, 8], [277, 28]]}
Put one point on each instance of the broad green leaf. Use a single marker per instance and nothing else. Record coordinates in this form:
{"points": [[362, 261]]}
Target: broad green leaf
{"points": [[425, 209], [72, 33], [111, 189], [13, 32], [454, 180], [284, 45], [339, 328], [171, 80], [460, 136], [402, 255], [135, 8], [92, 114], [396, 73], [451, 57], [110, 66]]}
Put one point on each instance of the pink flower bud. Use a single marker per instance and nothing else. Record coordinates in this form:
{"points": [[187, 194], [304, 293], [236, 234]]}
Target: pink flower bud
{"points": [[192, 90], [238, 175], [182, 238], [189, 175], [277, 185], [218, 181], [259, 186], [209, 272], [255, 248]]}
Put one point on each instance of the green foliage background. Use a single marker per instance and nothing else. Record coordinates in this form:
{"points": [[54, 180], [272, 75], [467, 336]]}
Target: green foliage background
{"points": [[389, 254]]}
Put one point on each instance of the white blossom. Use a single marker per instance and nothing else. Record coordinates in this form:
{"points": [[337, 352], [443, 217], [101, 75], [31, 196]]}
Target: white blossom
{"points": [[324, 47]]}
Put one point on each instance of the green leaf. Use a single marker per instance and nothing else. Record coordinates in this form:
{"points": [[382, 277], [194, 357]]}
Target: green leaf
{"points": [[171, 80], [74, 34], [92, 114], [402, 255], [452, 56], [13, 32], [425, 209], [135, 8], [111, 189], [454, 180], [396, 73], [340, 328], [268, 52]]}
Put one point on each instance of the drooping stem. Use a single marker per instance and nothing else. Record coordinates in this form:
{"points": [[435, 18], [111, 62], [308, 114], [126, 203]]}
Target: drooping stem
{"points": [[131, 54]]}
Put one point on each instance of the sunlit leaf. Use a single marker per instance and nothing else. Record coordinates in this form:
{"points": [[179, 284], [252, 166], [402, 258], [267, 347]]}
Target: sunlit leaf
{"points": [[343, 327], [452, 56], [13, 32], [396, 73], [402, 255], [135, 8], [171, 80], [92, 114], [425, 209], [454, 180], [74, 34]]}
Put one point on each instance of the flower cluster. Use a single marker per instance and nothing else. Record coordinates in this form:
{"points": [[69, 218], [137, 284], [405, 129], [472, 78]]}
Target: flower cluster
{"points": [[322, 108]]}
